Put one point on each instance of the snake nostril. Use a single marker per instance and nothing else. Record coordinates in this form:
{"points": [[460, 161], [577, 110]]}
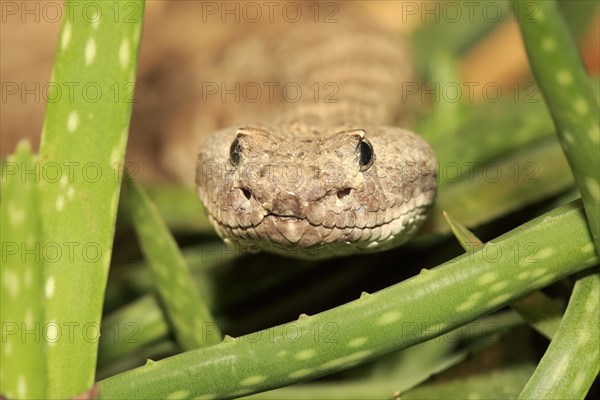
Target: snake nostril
{"points": [[247, 193], [343, 193]]}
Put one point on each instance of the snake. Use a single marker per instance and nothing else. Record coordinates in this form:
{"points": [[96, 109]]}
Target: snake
{"points": [[329, 176]]}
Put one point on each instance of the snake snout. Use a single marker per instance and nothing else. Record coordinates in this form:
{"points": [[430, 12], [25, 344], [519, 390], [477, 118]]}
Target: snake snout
{"points": [[287, 204]]}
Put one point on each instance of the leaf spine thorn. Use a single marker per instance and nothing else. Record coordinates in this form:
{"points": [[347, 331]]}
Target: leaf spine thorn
{"points": [[228, 339]]}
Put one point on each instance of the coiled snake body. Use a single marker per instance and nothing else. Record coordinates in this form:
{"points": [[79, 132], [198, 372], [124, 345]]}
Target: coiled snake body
{"points": [[325, 178]]}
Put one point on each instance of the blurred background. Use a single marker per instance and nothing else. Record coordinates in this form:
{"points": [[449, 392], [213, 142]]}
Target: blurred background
{"points": [[179, 48]]}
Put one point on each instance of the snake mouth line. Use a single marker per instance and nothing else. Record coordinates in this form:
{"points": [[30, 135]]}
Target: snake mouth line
{"points": [[289, 218], [295, 233]]}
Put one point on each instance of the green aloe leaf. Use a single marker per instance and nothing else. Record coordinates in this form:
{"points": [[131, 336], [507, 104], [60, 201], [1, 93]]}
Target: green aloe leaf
{"points": [[130, 329], [568, 92], [395, 318], [158, 350], [23, 356], [185, 306], [401, 371], [81, 156], [179, 206], [539, 310], [511, 183], [497, 384], [572, 361], [465, 237]]}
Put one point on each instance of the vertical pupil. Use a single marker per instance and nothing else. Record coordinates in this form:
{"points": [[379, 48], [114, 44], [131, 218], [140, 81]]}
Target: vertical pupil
{"points": [[365, 153], [234, 152]]}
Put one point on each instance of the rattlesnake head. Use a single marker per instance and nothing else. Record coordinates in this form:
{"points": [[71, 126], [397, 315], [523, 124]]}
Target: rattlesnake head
{"points": [[306, 191]]}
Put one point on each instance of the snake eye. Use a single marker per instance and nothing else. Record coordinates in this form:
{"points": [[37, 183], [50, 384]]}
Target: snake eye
{"points": [[366, 155], [234, 152]]}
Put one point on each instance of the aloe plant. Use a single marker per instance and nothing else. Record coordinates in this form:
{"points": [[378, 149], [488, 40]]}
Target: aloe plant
{"points": [[569, 95], [337, 339], [193, 322], [78, 180], [539, 310], [232, 382], [23, 289], [570, 98], [576, 339]]}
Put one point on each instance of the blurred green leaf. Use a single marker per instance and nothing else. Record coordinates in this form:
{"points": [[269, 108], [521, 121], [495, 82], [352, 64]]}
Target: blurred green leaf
{"points": [[22, 299], [566, 87], [185, 306]]}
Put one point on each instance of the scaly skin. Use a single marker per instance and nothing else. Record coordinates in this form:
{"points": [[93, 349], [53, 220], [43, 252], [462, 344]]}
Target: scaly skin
{"points": [[329, 177]]}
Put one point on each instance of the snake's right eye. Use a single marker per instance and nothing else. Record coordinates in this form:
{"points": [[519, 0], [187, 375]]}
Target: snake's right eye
{"points": [[366, 154], [234, 152]]}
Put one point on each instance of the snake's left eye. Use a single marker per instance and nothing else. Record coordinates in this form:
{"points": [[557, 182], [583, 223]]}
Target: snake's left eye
{"points": [[234, 152], [366, 154]]}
